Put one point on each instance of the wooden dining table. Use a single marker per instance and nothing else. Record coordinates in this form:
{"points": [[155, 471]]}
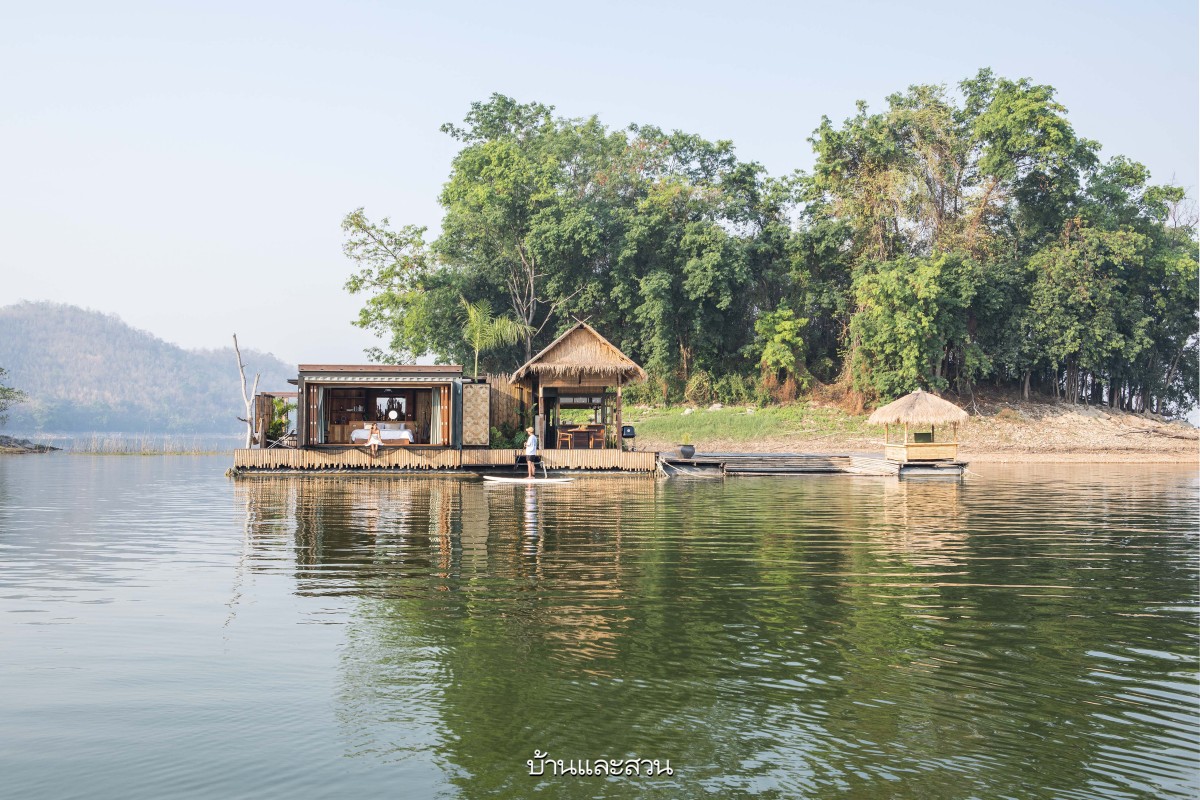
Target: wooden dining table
{"points": [[585, 437]]}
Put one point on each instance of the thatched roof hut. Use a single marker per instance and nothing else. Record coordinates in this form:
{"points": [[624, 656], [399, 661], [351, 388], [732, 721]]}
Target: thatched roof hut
{"points": [[581, 355], [918, 408], [576, 371]]}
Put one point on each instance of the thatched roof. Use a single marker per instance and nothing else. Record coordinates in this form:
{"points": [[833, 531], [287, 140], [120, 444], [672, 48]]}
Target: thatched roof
{"points": [[581, 353], [918, 408]]}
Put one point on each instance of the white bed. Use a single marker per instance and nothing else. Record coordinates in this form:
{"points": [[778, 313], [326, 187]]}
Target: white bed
{"points": [[392, 435]]}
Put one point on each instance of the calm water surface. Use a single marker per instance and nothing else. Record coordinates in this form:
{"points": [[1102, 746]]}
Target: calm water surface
{"points": [[166, 632]]}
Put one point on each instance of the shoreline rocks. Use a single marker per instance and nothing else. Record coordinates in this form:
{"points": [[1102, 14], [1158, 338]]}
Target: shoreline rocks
{"points": [[10, 444]]}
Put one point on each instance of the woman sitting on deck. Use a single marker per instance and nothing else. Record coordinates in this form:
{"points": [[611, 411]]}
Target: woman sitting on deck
{"points": [[375, 439]]}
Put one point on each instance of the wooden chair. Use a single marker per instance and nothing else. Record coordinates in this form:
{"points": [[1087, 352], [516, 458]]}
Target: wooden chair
{"points": [[596, 439], [564, 439]]}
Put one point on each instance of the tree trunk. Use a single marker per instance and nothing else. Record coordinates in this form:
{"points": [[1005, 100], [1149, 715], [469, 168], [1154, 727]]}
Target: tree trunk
{"points": [[1025, 389], [1171, 372], [248, 399]]}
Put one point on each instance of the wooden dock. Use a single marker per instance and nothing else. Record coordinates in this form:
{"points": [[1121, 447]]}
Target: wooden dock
{"points": [[735, 464]]}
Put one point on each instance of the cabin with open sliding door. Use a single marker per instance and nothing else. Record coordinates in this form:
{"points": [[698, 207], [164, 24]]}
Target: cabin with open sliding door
{"points": [[417, 406]]}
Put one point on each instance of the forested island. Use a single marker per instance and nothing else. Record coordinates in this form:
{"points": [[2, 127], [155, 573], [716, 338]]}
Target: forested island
{"points": [[956, 240]]}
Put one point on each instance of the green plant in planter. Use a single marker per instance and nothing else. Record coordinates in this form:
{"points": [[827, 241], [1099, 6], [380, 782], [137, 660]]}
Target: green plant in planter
{"points": [[685, 447]]}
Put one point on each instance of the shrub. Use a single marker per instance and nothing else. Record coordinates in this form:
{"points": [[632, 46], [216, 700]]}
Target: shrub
{"points": [[506, 438], [645, 393], [733, 390], [699, 388]]}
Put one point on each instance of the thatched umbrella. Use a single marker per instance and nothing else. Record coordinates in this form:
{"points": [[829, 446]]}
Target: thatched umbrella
{"points": [[918, 408]]}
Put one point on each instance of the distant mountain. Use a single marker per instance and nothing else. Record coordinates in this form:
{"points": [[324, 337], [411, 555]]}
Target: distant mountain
{"points": [[88, 371]]}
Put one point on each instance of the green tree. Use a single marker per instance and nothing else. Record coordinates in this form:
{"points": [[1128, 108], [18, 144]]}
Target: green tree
{"points": [[8, 397], [502, 200], [483, 331], [410, 296], [781, 345], [912, 315], [959, 235]]}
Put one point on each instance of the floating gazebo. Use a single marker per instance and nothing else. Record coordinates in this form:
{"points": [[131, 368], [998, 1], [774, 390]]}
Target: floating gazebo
{"points": [[579, 370], [920, 413]]}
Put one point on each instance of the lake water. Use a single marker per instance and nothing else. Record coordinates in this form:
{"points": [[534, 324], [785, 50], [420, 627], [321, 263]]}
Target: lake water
{"points": [[165, 632]]}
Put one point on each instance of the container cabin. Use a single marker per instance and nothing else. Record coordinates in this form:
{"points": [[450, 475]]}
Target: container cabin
{"points": [[414, 405]]}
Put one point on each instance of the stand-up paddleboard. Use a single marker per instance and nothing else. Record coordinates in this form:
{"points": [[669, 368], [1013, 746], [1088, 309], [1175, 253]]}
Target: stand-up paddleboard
{"points": [[498, 479]]}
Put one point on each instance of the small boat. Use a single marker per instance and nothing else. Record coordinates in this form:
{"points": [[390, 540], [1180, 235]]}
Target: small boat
{"points": [[499, 479]]}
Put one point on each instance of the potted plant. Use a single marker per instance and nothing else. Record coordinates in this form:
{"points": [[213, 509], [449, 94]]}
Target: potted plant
{"points": [[685, 447]]}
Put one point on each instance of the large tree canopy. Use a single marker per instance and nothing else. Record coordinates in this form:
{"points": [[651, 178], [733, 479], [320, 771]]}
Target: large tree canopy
{"points": [[953, 239]]}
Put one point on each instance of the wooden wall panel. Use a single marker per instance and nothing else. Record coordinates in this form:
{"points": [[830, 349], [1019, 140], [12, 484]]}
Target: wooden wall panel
{"points": [[476, 414]]}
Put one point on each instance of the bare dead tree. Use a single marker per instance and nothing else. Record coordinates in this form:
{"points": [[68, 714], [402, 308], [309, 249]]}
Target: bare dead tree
{"points": [[522, 285], [248, 399]]}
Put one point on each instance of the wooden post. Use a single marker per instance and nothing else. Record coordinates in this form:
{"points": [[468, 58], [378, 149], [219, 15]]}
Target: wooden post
{"points": [[539, 421], [886, 439], [620, 438]]}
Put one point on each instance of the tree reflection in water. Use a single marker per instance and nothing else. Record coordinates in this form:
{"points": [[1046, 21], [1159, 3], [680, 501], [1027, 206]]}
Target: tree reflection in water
{"points": [[768, 636]]}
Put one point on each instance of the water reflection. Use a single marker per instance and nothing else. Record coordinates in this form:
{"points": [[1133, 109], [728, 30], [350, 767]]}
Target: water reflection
{"points": [[873, 637], [922, 522]]}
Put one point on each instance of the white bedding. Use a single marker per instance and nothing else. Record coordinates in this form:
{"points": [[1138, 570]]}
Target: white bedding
{"points": [[362, 435]]}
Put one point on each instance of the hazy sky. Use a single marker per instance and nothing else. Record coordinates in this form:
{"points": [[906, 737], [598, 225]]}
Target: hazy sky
{"points": [[186, 166]]}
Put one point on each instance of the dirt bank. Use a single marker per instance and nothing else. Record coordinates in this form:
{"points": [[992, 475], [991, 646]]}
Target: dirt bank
{"points": [[1017, 432]]}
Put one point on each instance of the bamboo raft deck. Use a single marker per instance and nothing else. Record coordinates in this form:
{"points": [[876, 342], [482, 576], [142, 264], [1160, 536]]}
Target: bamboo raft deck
{"points": [[802, 463], [404, 458]]}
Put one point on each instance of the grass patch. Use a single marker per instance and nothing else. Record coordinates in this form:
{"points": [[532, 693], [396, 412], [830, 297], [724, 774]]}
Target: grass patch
{"points": [[743, 425]]}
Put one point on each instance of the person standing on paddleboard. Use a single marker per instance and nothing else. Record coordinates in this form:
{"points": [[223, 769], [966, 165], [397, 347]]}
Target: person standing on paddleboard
{"points": [[531, 448]]}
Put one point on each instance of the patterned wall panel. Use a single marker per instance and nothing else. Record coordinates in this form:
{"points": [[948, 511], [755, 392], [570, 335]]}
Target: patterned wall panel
{"points": [[476, 413]]}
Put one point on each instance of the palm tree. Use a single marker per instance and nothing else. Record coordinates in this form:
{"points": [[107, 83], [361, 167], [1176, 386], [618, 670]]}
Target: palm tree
{"points": [[482, 331]]}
